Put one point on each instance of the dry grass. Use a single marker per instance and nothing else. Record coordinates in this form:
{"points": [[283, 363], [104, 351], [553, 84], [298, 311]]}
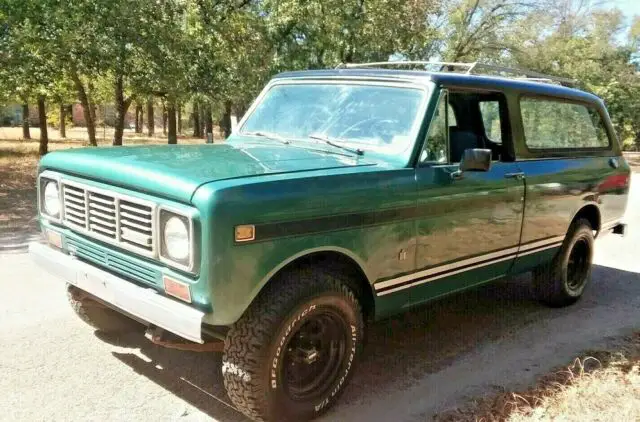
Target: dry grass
{"points": [[598, 386]]}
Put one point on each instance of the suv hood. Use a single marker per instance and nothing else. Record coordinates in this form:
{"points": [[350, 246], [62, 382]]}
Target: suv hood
{"points": [[176, 171]]}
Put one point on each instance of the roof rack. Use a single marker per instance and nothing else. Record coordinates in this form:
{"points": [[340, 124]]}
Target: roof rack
{"points": [[468, 69]]}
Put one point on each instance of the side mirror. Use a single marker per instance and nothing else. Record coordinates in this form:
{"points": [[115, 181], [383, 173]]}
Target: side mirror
{"points": [[476, 160]]}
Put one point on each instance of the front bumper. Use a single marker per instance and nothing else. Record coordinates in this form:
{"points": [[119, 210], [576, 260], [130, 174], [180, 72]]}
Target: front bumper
{"points": [[143, 303]]}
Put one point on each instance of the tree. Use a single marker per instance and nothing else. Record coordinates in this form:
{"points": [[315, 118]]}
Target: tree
{"points": [[150, 118], [477, 29], [28, 64], [26, 133], [577, 40], [42, 122]]}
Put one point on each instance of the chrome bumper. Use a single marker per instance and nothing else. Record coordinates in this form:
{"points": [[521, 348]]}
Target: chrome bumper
{"points": [[143, 303]]}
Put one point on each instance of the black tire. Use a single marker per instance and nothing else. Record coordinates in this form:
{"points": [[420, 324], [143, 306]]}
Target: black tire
{"points": [[563, 281], [97, 315], [261, 356]]}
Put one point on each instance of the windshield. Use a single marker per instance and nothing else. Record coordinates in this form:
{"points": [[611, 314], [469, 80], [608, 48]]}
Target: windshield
{"points": [[371, 117]]}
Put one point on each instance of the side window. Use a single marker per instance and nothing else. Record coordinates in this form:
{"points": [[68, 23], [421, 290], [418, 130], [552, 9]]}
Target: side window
{"points": [[490, 111], [451, 117], [550, 124], [435, 149]]}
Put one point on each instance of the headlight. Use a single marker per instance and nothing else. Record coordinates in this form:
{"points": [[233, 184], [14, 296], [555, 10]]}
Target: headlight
{"points": [[176, 245], [176, 239], [51, 198]]}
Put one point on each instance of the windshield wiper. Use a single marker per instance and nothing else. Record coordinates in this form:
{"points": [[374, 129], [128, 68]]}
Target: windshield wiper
{"points": [[269, 135], [334, 143]]}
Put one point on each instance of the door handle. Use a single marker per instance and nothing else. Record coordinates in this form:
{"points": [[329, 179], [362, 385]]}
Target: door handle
{"points": [[517, 176]]}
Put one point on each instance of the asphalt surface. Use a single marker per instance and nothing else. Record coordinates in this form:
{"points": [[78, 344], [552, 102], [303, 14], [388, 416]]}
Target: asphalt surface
{"points": [[53, 367]]}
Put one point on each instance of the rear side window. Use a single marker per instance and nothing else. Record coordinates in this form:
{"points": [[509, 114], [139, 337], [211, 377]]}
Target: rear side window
{"points": [[550, 124], [490, 111]]}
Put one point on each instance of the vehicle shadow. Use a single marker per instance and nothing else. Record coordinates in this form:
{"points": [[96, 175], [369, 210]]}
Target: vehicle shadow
{"points": [[404, 350]]}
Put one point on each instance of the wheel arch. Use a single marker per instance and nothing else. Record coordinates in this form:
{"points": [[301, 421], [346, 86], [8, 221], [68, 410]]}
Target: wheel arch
{"points": [[591, 213], [334, 259]]}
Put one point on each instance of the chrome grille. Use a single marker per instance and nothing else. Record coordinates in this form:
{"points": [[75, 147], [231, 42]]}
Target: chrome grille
{"points": [[102, 214], [75, 208], [136, 224], [110, 216]]}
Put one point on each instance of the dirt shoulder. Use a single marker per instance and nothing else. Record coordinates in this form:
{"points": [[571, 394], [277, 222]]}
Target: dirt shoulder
{"points": [[17, 198]]}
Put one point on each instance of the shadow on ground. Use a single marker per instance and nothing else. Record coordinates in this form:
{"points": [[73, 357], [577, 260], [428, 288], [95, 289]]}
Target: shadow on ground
{"points": [[402, 350]]}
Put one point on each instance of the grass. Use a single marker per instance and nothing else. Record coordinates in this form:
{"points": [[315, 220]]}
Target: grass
{"points": [[597, 386]]}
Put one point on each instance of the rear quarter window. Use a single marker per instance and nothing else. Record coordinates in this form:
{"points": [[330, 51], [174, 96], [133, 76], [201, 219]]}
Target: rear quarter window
{"points": [[557, 125]]}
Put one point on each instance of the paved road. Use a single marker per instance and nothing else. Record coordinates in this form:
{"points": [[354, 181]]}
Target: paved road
{"points": [[53, 367]]}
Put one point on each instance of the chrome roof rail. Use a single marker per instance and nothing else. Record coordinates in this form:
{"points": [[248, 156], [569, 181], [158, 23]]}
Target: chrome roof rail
{"points": [[474, 68], [426, 64]]}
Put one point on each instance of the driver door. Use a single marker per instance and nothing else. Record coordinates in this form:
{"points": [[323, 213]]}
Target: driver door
{"points": [[468, 226]]}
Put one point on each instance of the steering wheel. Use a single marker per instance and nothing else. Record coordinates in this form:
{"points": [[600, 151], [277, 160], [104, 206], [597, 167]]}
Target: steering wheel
{"points": [[376, 128]]}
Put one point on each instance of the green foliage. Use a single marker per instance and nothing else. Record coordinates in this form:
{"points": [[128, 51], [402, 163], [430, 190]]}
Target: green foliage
{"points": [[221, 52]]}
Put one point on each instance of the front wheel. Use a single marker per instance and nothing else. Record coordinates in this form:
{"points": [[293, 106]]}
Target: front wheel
{"points": [[97, 315], [291, 355], [563, 281]]}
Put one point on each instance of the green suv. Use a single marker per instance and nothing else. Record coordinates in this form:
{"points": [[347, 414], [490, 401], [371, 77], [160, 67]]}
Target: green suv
{"points": [[344, 196]]}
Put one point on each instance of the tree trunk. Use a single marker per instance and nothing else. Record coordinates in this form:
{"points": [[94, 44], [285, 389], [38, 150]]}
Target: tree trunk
{"points": [[122, 105], [196, 121], [241, 109], [42, 122], [89, 114], [150, 118], [141, 118], [171, 116], [93, 107], [226, 119], [63, 123], [26, 133], [179, 111], [164, 118], [208, 124], [203, 121], [138, 118]]}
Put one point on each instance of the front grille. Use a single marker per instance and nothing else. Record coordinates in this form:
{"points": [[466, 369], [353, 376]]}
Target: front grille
{"points": [[136, 224], [75, 207], [108, 216], [102, 214], [105, 258]]}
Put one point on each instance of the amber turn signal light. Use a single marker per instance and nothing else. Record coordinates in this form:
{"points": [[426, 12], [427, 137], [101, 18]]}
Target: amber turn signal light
{"points": [[54, 239], [245, 233], [177, 289]]}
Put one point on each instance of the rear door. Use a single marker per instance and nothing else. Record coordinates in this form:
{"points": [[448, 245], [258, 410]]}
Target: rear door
{"points": [[468, 228]]}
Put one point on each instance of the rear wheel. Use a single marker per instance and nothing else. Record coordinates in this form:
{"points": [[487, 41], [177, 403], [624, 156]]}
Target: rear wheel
{"points": [[563, 281], [291, 355], [97, 315]]}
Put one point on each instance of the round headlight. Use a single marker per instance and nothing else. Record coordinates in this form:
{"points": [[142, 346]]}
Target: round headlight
{"points": [[51, 199], [176, 239]]}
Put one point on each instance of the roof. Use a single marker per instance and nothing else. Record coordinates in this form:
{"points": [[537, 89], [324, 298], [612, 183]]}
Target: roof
{"points": [[448, 79]]}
